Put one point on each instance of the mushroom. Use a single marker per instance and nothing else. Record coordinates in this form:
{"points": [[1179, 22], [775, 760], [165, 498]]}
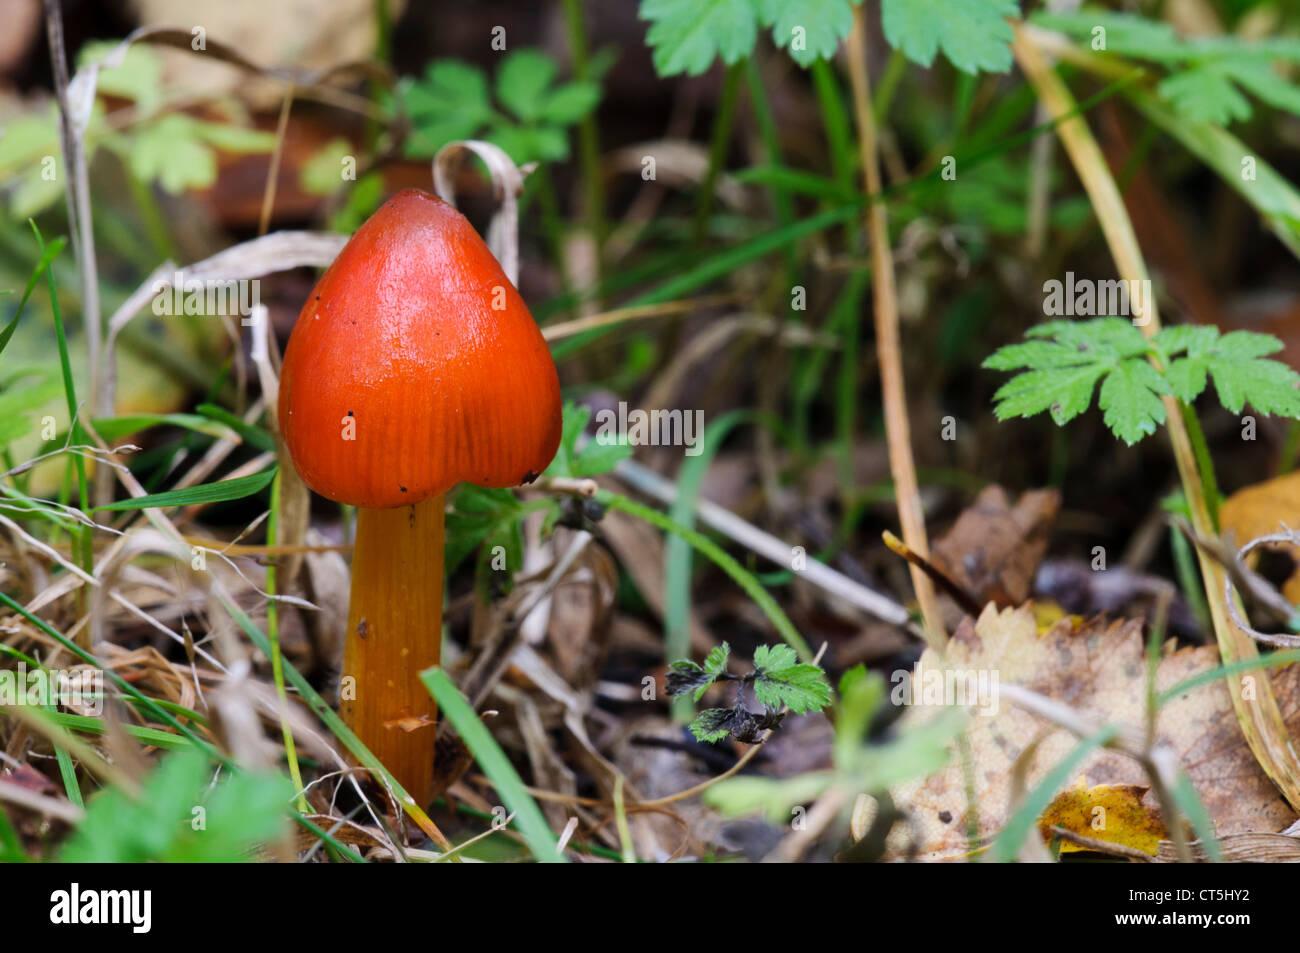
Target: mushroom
{"points": [[414, 365]]}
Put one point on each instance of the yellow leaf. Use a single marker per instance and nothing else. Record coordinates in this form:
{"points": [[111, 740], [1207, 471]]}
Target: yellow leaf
{"points": [[1115, 813]]}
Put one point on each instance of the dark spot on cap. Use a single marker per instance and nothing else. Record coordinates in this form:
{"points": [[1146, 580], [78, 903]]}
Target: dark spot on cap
{"points": [[530, 476], [349, 413], [402, 488], [362, 628], [945, 816], [318, 297]]}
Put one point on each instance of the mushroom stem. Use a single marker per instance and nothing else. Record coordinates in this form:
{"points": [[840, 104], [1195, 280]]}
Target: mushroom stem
{"points": [[394, 632]]}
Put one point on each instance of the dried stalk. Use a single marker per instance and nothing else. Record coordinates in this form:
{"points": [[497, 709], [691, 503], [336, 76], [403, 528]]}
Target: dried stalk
{"points": [[888, 346]]}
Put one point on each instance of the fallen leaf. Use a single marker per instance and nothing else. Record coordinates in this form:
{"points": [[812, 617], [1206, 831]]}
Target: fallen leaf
{"points": [[1098, 669], [1262, 509], [994, 548], [1115, 813]]}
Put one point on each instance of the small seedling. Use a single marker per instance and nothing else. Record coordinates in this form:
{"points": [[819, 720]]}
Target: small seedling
{"points": [[1064, 360], [779, 681]]}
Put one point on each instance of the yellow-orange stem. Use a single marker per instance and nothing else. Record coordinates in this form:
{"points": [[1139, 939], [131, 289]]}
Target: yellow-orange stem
{"points": [[394, 632]]}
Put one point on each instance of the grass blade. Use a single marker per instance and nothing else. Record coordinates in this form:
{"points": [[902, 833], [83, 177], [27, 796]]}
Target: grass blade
{"points": [[495, 764], [220, 492]]}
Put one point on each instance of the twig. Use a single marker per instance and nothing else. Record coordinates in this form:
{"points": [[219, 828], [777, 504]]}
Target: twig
{"points": [[769, 547], [1268, 638], [888, 347], [1101, 846]]}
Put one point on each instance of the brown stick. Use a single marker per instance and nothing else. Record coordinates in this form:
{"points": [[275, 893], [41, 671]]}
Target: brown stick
{"points": [[888, 348]]}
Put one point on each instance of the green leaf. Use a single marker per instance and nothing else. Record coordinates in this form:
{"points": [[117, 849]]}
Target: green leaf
{"points": [[774, 798], [51, 251], [684, 675], [1130, 400], [219, 492], [575, 417], [570, 103], [783, 680], [861, 694], [1275, 198], [456, 709], [138, 78], [231, 138], [112, 429], [1238, 365], [30, 389], [168, 151], [1205, 72], [973, 34], [1125, 34], [808, 29], [598, 457], [322, 174], [177, 819], [712, 724], [450, 102], [252, 435], [688, 35], [1067, 359], [479, 515], [1205, 94], [522, 82]]}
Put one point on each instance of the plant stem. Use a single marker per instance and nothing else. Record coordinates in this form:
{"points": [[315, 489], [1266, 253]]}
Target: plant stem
{"points": [[588, 133], [718, 148], [394, 633], [83, 542], [888, 345], [1260, 718], [722, 560], [277, 658]]}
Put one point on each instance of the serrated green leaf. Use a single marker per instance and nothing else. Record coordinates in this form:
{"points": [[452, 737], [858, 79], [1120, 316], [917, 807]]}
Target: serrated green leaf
{"points": [[1205, 72], [1066, 392], [808, 30], [1067, 359], [686, 36], [783, 680], [570, 103], [479, 515], [598, 457], [802, 688], [1130, 399], [1206, 94], [973, 34], [451, 101], [524, 78], [167, 151], [1238, 365], [773, 658], [1125, 34], [575, 418], [712, 724]]}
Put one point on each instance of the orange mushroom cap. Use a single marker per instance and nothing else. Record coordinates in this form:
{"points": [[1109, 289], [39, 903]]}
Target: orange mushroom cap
{"points": [[416, 365]]}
